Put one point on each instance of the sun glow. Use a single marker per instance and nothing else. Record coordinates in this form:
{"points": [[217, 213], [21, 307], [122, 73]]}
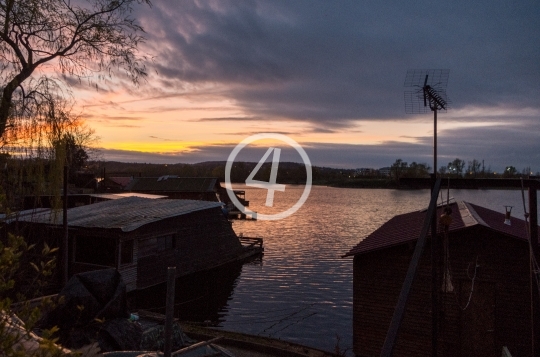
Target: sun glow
{"points": [[156, 147]]}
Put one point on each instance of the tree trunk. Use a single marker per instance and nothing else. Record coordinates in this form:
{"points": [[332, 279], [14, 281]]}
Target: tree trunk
{"points": [[7, 95]]}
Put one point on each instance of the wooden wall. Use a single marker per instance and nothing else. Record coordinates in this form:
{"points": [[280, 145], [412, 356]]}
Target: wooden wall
{"points": [[497, 315], [203, 240]]}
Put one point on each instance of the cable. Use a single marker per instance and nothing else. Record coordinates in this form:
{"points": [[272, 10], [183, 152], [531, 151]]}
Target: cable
{"points": [[472, 283]]}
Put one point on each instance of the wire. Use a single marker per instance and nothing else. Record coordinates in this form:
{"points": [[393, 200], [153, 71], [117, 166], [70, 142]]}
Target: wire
{"points": [[472, 283]]}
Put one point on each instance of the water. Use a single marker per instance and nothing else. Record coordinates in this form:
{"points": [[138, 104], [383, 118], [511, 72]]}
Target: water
{"points": [[301, 290]]}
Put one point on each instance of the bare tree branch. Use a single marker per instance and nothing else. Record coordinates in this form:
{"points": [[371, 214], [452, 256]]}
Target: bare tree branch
{"points": [[78, 40]]}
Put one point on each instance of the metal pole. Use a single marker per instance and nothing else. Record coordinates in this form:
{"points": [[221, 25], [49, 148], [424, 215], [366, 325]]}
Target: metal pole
{"points": [[434, 249], [535, 296], [435, 141], [399, 311], [65, 242], [169, 311], [434, 273]]}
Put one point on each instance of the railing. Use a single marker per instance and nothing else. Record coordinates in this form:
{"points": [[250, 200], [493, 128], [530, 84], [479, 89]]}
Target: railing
{"points": [[251, 242]]}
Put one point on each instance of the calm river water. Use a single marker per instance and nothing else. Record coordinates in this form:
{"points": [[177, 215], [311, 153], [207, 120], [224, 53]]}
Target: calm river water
{"points": [[301, 290]]}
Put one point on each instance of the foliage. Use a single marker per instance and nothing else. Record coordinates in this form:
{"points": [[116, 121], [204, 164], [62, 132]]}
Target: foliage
{"points": [[474, 168], [398, 168], [455, 167], [401, 169], [510, 171], [16, 336], [76, 39], [35, 152]]}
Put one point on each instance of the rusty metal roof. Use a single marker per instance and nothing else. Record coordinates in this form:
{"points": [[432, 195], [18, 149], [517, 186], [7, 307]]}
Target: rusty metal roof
{"points": [[125, 214], [406, 227], [170, 183], [116, 196]]}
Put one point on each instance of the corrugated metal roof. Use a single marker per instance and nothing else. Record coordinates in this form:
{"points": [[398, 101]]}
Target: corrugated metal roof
{"points": [[173, 184], [25, 213], [406, 227], [126, 214], [115, 196]]}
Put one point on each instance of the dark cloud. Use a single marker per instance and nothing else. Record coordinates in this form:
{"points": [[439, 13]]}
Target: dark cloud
{"points": [[333, 63]]}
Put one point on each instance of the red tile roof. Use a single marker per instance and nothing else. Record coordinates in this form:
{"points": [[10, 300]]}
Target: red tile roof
{"points": [[406, 228]]}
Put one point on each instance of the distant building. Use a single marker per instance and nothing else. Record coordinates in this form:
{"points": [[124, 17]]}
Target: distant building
{"points": [[485, 298], [364, 171], [114, 184], [385, 171]]}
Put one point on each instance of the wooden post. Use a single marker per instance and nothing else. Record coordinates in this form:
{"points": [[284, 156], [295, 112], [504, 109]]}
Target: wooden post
{"points": [[535, 296], [169, 311], [65, 242]]}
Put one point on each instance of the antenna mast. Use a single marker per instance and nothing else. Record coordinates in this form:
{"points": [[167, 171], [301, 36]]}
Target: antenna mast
{"points": [[429, 89]]}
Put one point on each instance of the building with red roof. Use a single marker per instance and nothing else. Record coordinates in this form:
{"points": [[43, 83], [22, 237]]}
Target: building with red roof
{"points": [[484, 294]]}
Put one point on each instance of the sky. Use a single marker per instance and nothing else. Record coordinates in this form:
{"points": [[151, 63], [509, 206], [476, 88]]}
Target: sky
{"points": [[330, 75]]}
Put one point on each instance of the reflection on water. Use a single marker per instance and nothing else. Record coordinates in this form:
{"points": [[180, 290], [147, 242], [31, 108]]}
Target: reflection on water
{"points": [[198, 297], [302, 289]]}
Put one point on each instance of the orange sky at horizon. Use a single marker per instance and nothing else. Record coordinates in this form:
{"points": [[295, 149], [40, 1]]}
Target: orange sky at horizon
{"points": [[124, 121]]}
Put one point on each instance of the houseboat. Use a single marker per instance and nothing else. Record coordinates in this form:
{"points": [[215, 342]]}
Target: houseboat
{"points": [[192, 188], [141, 237]]}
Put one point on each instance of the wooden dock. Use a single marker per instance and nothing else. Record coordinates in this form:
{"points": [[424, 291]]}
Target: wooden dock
{"points": [[240, 215]]}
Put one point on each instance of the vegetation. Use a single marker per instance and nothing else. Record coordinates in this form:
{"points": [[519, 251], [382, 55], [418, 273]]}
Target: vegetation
{"points": [[16, 336], [45, 45], [75, 39], [295, 173]]}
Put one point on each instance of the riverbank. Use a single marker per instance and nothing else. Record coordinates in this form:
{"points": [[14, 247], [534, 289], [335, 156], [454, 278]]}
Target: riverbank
{"points": [[242, 344]]}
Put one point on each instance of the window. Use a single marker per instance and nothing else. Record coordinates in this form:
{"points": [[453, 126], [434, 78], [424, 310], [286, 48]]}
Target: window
{"points": [[126, 252], [165, 243], [95, 250]]}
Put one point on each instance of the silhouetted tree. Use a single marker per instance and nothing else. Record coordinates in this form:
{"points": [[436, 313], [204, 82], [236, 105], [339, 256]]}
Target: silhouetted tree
{"points": [[456, 167], [398, 168], [473, 169], [417, 170], [73, 38], [510, 171]]}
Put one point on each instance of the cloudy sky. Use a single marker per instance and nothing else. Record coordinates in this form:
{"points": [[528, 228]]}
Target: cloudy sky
{"points": [[329, 75]]}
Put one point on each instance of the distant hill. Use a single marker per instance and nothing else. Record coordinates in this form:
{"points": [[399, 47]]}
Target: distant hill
{"points": [[288, 172]]}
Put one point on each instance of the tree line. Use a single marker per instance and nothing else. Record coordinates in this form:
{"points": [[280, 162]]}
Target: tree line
{"points": [[456, 168]]}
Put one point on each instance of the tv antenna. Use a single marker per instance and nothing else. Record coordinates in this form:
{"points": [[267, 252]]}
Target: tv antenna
{"points": [[429, 93]]}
